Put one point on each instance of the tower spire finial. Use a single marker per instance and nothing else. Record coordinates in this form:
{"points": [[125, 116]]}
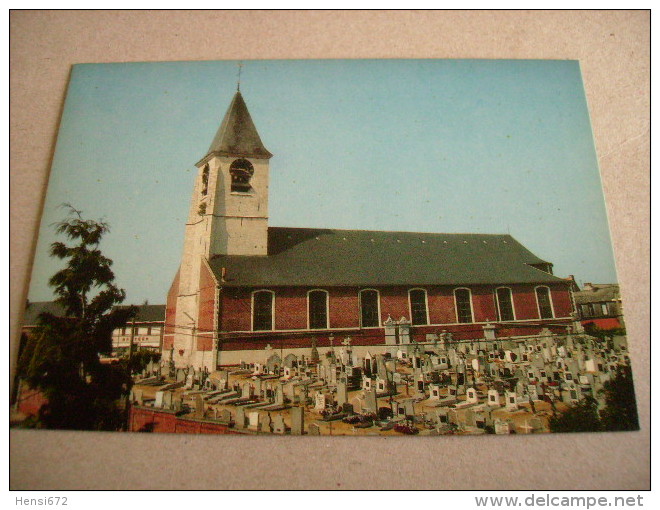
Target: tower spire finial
{"points": [[238, 83]]}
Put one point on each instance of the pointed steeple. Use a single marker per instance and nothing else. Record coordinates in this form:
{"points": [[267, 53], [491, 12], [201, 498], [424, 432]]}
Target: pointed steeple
{"points": [[237, 135]]}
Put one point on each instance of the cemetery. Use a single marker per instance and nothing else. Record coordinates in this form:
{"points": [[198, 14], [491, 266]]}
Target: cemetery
{"points": [[442, 386]]}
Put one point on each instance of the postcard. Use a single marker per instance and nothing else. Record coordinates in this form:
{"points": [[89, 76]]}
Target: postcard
{"points": [[325, 247]]}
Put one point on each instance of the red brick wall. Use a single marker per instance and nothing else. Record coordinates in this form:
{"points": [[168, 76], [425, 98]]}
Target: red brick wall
{"points": [[291, 306], [344, 308], [170, 314], [293, 340], [30, 401], [377, 336], [561, 301], [441, 305], [207, 309], [393, 302], [235, 308], [524, 302], [483, 304], [150, 420]]}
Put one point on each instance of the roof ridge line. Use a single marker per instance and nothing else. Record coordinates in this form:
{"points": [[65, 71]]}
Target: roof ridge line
{"points": [[391, 231]]}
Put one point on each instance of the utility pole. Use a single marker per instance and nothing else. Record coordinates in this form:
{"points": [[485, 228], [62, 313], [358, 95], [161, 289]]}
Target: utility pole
{"points": [[130, 344]]}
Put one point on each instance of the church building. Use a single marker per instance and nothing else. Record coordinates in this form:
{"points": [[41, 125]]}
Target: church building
{"points": [[245, 288]]}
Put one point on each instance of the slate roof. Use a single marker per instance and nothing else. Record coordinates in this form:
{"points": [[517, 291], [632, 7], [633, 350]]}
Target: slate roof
{"points": [[34, 309], [237, 135], [150, 313], [601, 293], [146, 313], [324, 257]]}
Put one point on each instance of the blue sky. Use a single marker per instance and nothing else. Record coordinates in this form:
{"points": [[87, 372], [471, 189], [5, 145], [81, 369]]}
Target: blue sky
{"points": [[482, 146]]}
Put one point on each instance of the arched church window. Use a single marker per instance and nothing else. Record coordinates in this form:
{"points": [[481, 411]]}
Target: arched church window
{"points": [[463, 298], [418, 308], [369, 313], [262, 310], [205, 180], [318, 309], [544, 302], [241, 172], [505, 304]]}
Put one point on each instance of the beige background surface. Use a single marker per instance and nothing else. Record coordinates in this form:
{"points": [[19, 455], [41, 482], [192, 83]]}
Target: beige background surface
{"points": [[614, 51]]}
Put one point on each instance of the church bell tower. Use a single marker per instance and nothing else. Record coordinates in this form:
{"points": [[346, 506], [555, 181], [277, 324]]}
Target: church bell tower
{"points": [[228, 211]]}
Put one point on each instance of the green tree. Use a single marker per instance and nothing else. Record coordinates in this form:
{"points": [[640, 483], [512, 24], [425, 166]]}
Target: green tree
{"points": [[620, 411], [140, 359], [62, 358], [604, 337], [582, 417]]}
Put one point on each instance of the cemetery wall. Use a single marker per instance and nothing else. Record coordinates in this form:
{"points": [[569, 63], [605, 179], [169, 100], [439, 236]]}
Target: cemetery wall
{"points": [[149, 420], [235, 357]]}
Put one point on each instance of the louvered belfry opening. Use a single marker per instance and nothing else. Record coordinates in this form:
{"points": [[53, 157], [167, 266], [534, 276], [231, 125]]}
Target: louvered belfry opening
{"points": [[241, 172]]}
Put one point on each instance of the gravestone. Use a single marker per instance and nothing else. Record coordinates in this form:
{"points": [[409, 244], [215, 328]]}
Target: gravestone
{"points": [[381, 369], [333, 374], [265, 422], [532, 392], [199, 406], [159, 399], [347, 408], [279, 395], [279, 427], [371, 402], [357, 404], [342, 392], [178, 405], [240, 418], [511, 401], [493, 398], [314, 429], [409, 408], [224, 416], [167, 400], [319, 402], [273, 363], [404, 330], [502, 427], [180, 375], [253, 420], [297, 420], [268, 392], [290, 360], [420, 383], [138, 397], [367, 363], [258, 388], [366, 383], [246, 391]]}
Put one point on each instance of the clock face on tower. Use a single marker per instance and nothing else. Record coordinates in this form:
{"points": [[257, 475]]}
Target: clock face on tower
{"points": [[241, 172]]}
